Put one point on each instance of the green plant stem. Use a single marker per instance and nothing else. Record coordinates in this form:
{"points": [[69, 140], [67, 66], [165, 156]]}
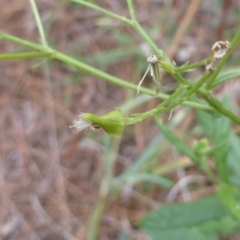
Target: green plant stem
{"points": [[190, 92], [24, 55], [156, 111], [196, 86], [106, 184], [181, 79], [95, 219], [26, 43], [85, 67], [220, 65], [209, 99], [140, 30], [102, 10], [39, 22], [218, 106], [187, 67]]}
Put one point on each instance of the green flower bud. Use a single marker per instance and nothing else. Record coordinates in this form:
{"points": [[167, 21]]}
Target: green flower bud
{"points": [[201, 147], [112, 123]]}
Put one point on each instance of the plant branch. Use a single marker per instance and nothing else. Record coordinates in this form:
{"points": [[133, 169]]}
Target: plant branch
{"points": [[219, 107], [140, 30], [187, 67], [104, 11], [156, 111], [39, 22], [25, 55], [26, 43]]}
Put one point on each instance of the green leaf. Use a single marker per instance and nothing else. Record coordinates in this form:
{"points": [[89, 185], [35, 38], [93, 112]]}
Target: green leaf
{"points": [[141, 177], [177, 142], [185, 214], [200, 219], [233, 160], [226, 193], [223, 226], [218, 129], [179, 234], [225, 76]]}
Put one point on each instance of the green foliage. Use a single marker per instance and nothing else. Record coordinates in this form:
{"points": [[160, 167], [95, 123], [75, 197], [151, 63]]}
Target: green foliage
{"points": [[225, 76], [232, 202], [218, 129], [200, 219]]}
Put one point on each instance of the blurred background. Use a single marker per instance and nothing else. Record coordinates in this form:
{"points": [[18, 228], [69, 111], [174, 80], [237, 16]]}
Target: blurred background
{"points": [[51, 178]]}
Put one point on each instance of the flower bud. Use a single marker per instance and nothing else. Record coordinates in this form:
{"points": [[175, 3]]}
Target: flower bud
{"points": [[112, 123]]}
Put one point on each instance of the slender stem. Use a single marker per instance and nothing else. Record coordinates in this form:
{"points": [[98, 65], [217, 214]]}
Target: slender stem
{"points": [[95, 219], [104, 11], [131, 9], [172, 97], [140, 117], [39, 22], [140, 30], [210, 99], [26, 43], [181, 79], [190, 92], [106, 185], [101, 74], [187, 67], [197, 85], [24, 55], [218, 106]]}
